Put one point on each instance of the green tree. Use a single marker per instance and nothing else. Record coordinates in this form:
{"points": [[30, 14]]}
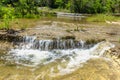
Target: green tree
{"points": [[26, 7]]}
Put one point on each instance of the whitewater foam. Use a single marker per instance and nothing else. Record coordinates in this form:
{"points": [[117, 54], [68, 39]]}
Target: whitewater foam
{"points": [[73, 58]]}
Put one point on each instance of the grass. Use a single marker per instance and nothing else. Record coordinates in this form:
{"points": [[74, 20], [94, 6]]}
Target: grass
{"points": [[102, 18], [21, 23], [119, 40], [24, 23], [1, 25]]}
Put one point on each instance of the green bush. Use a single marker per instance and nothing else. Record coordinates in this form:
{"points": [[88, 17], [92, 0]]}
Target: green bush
{"points": [[77, 6], [26, 8], [7, 15]]}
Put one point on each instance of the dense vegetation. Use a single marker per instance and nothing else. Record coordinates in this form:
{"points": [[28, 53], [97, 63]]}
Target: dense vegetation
{"points": [[10, 9], [25, 7], [84, 6]]}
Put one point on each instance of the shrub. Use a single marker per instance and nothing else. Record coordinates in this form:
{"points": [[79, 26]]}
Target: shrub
{"points": [[26, 8], [7, 15]]}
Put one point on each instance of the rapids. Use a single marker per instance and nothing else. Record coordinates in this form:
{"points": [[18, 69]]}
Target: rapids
{"points": [[68, 54]]}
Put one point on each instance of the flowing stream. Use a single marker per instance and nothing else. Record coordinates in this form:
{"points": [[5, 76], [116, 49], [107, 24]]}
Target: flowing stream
{"points": [[51, 58]]}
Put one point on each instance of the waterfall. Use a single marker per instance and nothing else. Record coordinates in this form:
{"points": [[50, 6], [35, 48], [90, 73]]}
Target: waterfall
{"points": [[31, 42], [70, 53]]}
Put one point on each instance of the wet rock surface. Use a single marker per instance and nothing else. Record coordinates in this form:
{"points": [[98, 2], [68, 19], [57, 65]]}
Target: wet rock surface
{"points": [[91, 33], [10, 35], [53, 30]]}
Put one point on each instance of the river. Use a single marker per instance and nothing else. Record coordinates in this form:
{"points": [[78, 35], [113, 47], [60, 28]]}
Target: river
{"points": [[58, 59]]}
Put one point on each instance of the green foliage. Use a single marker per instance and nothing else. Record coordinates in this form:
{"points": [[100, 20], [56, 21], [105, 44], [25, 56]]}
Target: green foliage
{"points": [[68, 5], [22, 8], [85, 6], [101, 18], [61, 3], [91, 6], [7, 14], [10, 9], [26, 8]]}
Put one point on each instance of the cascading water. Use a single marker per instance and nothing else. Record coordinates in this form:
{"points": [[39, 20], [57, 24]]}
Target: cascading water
{"points": [[32, 52], [30, 42]]}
